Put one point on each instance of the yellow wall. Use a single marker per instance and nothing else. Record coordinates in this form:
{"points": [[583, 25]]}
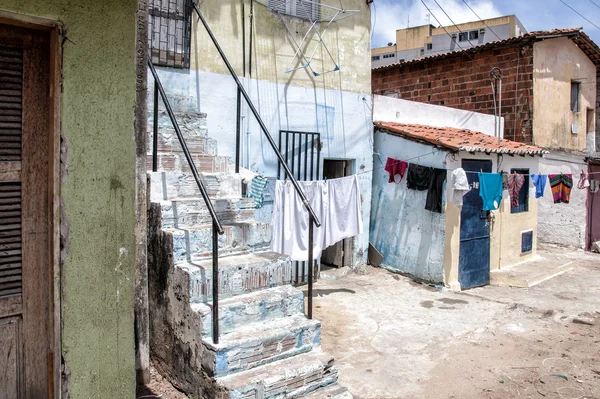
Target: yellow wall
{"points": [[506, 229], [348, 40], [383, 50], [556, 63], [412, 38]]}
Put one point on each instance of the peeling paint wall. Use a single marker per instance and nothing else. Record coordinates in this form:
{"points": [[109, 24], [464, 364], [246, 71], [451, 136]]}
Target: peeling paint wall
{"points": [[556, 63], [97, 196], [337, 104]]}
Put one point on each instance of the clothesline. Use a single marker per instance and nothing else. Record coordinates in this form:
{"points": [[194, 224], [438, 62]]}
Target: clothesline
{"points": [[453, 169]]}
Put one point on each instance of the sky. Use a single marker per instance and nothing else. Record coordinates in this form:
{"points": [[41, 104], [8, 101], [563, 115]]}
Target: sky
{"points": [[390, 15]]}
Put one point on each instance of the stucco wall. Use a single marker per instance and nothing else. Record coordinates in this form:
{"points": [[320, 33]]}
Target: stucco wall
{"points": [[97, 193], [337, 105], [410, 238], [348, 40], [563, 224], [556, 63]]}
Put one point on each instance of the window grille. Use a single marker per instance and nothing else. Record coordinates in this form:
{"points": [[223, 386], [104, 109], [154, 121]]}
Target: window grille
{"points": [[169, 32], [304, 9]]}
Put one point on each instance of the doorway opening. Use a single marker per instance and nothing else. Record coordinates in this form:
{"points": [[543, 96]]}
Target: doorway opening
{"points": [[340, 253]]}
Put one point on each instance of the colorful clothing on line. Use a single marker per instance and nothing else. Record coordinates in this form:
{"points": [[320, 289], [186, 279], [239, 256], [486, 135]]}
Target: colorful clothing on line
{"points": [[257, 189], [583, 181], [490, 190], [514, 182], [395, 167], [418, 177], [539, 181], [435, 193], [561, 187]]}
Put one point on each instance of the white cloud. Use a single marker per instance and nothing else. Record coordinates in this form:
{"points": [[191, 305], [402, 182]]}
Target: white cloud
{"points": [[395, 14]]}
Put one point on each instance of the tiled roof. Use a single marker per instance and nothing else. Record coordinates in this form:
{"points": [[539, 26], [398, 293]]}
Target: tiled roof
{"points": [[582, 40], [459, 139]]}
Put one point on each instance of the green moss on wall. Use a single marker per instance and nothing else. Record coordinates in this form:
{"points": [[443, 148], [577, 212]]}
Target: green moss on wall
{"points": [[97, 115]]}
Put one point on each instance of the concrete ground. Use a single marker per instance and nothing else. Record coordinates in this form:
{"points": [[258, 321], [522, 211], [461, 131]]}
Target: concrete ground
{"points": [[394, 338]]}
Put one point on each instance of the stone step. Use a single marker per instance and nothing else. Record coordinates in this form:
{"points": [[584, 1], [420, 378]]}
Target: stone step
{"points": [[238, 275], [289, 378], [260, 343], [194, 243], [169, 143], [166, 186], [255, 307], [334, 391], [176, 162], [185, 212]]}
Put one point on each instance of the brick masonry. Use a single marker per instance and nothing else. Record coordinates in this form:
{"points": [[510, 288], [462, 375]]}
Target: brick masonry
{"points": [[463, 81]]}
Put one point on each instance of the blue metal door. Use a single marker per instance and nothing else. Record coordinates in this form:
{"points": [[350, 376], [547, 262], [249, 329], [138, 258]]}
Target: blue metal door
{"points": [[474, 253]]}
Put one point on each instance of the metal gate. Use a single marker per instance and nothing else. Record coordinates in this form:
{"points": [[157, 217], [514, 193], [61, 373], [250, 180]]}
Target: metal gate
{"points": [[302, 153], [474, 251]]}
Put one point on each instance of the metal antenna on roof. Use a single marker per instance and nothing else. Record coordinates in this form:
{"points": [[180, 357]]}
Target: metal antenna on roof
{"points": [[496, 81]]}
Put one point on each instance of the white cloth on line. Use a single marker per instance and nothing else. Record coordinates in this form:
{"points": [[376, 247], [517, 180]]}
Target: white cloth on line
{"points": [[460, 186], [336, 203]]}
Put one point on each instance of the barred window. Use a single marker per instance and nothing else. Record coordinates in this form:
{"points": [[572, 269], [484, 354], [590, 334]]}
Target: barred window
{"points": [[169, 32]]}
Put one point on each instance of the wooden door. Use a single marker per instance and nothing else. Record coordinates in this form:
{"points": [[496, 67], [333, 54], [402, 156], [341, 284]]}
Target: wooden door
{"points": [[26, 311]]}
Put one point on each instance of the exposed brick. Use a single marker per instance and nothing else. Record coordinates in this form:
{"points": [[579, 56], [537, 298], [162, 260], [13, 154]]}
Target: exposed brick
{"points": [[464, 83]]}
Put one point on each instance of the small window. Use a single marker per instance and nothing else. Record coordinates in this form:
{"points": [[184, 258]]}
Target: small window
{"points": [[463, 36], [389, 55], [169, 32], [429, 46], [401, 60], [575, 94], [474, 35], [523, 205], [375, 58], [422, 51]]}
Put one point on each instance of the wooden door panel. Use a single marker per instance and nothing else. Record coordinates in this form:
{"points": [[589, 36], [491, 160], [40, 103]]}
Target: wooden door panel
{"points": [[10, 358]]}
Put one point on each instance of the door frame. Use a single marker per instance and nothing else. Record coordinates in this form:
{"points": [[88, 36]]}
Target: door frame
{"points": [[53, 29]]}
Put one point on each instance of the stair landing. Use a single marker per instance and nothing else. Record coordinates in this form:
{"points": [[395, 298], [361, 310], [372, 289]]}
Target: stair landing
{"points": [[531, 272]]}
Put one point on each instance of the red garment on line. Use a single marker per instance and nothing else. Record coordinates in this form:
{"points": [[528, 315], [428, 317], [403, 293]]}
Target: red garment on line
{"points": [[395, 167]]}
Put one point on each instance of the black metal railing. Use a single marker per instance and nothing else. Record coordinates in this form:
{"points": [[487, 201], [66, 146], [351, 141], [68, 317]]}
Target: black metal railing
{"points": [[313, 219], [216, 225]]}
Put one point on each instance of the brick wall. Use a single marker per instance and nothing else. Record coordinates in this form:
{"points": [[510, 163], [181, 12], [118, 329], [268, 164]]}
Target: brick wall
{"points": [[463, 82]]}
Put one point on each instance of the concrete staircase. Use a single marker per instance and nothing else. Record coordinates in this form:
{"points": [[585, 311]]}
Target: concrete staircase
{"points": [[267, 347]]}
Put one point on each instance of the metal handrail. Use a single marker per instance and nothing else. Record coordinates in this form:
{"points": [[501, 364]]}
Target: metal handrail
{"points": [[216, 224], [186, 151], [258, 118]]}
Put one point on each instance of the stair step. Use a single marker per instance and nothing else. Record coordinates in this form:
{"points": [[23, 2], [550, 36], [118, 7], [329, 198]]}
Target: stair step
{"points": [[260, 343], [171, 185], [258, 306], [182, 212], [289, 378], [194, 243], [334, 391], [177, 163], [239, 274]]}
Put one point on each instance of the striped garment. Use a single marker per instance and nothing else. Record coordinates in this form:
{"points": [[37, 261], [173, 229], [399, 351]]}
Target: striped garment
{"points": [[513, 183], [257, 189], [561, 185]]}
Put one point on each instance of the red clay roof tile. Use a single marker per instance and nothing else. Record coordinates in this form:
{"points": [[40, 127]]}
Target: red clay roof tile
{"points": [[459, 139]]}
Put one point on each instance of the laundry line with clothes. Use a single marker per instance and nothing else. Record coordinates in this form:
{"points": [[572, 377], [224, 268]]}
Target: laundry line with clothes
{"points": [[491, 185]]}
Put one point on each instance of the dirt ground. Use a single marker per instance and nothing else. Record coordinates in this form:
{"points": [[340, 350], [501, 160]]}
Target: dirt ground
{"points": [[394, 338]]}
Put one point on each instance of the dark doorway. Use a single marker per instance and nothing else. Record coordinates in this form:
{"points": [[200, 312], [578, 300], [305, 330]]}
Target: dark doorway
{"points": [[340, 253]]}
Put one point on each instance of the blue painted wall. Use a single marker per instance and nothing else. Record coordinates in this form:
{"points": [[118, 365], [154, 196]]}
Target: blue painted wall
{"points": [[410, 238]]}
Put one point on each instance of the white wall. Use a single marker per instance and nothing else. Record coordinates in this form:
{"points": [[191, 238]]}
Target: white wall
{"points": [[389, 109], [563, 224], [410, 238], [343, 119]]}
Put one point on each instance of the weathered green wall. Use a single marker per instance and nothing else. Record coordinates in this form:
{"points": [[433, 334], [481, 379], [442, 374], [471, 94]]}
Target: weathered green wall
{"points": [[97, 114]]}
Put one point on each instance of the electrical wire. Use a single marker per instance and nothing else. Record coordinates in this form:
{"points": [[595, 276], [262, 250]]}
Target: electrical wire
{"points": [[444, 11], [486, 25], [578, 13], [448, 33], [594, 4]]}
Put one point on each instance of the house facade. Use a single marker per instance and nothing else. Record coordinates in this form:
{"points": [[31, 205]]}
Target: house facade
{"points": [[252, 81], [548, 99], [426, 40], [69, 192], [463, 245]]}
